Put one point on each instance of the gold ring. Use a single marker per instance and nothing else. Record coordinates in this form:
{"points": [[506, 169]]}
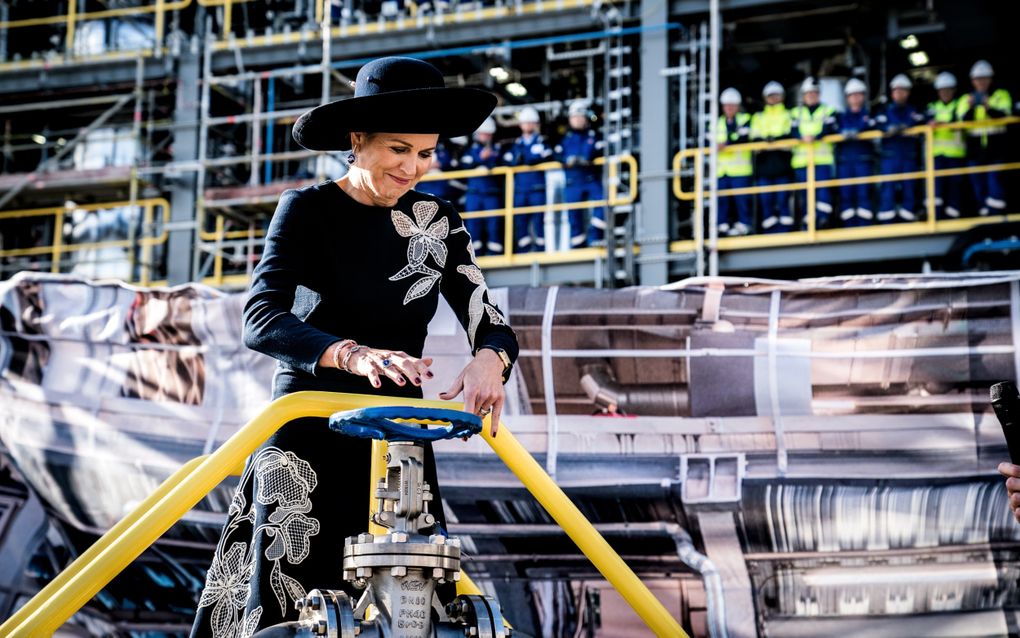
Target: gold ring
{"points": [[484, 411]]}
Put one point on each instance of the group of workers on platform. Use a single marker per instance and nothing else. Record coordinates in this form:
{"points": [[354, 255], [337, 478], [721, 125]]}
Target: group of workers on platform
{"points": [[856, 158], [577, 151]]}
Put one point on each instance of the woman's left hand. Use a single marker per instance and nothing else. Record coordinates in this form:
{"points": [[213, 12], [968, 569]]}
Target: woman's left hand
{"points": [[482, 383]]}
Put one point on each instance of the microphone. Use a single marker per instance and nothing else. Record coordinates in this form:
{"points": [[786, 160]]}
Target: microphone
{"points": [[1006, 403]]}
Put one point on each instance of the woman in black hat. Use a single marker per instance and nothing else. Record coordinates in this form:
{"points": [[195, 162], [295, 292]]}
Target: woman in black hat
{"points": [[348, 282]]}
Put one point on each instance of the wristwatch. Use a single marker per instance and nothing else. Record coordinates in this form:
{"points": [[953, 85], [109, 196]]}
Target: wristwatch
{"points": [[503, 356]]}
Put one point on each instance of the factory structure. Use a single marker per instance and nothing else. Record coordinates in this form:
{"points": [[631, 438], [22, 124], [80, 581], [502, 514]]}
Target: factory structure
{"points": [[777, 434]]}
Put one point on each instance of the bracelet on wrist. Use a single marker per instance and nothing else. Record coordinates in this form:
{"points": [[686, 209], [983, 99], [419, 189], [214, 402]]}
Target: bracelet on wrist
{"points": [[347, 357], [339, 349]]}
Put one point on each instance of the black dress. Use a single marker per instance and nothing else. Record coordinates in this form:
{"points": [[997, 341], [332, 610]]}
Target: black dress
{"points": [[332, 269]]}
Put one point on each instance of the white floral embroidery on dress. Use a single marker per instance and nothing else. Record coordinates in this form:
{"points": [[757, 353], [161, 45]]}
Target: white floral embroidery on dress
{"points": [[427, 238], [283, 479], [476, 304]]}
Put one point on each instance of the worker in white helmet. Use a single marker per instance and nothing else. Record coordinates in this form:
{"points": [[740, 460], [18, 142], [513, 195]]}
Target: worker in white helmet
{"points": [[855, 157], [485, 192], [772, 167], [529, 187], [445, 158], [577, 151], [812, 120], [735, 167], [948, 146], [900, 153], [986, 145]]}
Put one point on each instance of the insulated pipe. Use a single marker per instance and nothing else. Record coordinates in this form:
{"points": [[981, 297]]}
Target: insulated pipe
{"points": [[651, 399], [684, 547]]}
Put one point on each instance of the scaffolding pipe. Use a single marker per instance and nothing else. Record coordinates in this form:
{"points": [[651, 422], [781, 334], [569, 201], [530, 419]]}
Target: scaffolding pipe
{"points": [[713, 160], [685, 549], [44, 166], [699, 131]]}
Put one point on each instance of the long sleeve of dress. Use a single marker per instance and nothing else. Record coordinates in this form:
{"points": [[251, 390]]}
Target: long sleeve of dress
{"points": [[270, 323], [463, 286]]}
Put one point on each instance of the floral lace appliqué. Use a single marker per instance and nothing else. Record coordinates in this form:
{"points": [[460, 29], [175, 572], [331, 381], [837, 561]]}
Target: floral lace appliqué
{"points": [[282, 479], [427, 238], [477, 306]]}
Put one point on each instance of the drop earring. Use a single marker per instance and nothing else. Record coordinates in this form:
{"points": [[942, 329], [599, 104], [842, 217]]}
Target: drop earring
{"points": [[350, 158]]}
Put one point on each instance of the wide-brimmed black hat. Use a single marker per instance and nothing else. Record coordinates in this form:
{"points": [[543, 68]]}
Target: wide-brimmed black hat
{"points": [[394, 95]]}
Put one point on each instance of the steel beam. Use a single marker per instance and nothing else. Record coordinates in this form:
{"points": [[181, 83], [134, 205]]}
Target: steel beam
{"points": [[652, 231]]}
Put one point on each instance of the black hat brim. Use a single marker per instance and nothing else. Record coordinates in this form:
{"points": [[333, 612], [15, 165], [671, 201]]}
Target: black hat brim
{"points": [[450, 112]]}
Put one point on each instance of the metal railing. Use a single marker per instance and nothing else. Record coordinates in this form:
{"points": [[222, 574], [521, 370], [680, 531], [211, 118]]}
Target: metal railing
{"points": [[138, 251], [216, 239], [115, 550], [71, 19], [930, 225], [411, 17]]}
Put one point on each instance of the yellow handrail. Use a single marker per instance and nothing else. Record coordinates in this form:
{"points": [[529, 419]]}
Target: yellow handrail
{"points": [[811, 184], [87, 575], [59, 247], [508, 212], [400, 23], [72, 18]]}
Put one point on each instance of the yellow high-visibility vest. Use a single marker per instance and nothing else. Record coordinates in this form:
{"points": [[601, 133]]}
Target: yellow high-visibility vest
{"points": [[812, 124]]}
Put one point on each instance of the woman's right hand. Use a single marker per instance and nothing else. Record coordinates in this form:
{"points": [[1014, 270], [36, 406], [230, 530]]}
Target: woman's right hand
{"points": [[399, 367], [1012, 474]]}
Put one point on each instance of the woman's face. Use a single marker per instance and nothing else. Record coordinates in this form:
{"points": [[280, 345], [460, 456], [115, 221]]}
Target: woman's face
{"points": [[392, 163]]}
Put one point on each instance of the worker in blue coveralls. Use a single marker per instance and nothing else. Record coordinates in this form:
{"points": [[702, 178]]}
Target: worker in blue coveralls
{"points": [[772, 166], [484, 192], [854, 157], [529, 187], [735, 167], [443, 160], [577, 152], [812, 120], [899, 152]]}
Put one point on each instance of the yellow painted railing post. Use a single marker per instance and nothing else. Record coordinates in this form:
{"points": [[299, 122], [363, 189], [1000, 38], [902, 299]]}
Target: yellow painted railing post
{"points": [[811, 195], [58, 240], [160, 26], [508, 214], [378, 470], [929, 175], [72, 14], [228, 15]]}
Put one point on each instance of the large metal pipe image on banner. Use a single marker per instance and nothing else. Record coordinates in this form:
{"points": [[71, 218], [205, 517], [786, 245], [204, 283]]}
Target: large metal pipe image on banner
{"points": [[772, 458]]}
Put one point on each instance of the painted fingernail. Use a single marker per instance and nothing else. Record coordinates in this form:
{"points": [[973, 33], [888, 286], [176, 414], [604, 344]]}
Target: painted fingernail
{"points": [[417, 380], [400, 381], [429, 374]]}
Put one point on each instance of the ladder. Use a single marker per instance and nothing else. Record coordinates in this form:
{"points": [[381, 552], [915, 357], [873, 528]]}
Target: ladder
{"points": [[618, 132]]}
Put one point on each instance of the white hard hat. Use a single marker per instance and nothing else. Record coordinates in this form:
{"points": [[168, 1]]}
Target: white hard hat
{"points": [[981, 69], [945, 80], [578, 107], [901, 81], [853, 85], [730, 96], [808, 84], [528, 114], [488, 126], [773, 88]]}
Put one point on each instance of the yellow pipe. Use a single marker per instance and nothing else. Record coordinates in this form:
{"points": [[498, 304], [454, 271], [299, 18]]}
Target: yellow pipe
{"points": [[218, 259], [121, 545], [72, 10], [811, 195], [58, 239], [88, 555], [508, 215], [227, 18], [378, 471], [567, 516], [929, 180]]}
